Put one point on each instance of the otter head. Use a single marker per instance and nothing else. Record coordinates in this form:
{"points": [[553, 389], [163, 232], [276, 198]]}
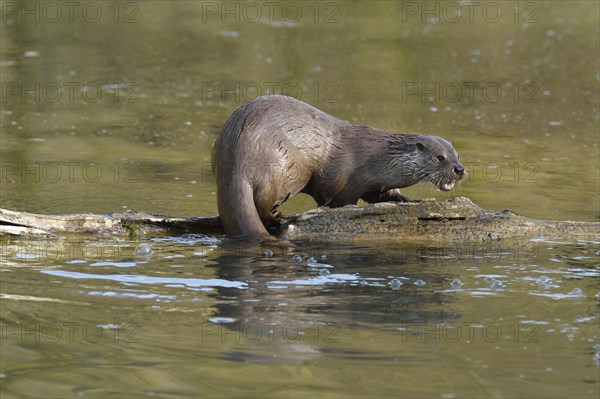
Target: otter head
{"points": [[439, 161]]}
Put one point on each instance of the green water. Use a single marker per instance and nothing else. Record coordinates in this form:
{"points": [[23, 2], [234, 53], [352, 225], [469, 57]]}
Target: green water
{"points": [[119, 110]]}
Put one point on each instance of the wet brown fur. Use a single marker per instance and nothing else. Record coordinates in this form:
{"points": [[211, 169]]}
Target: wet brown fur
{"points": [[274, 147]]}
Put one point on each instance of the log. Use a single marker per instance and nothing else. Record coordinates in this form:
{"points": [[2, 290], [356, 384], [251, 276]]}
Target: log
{"points": [[24, 223], [454, 220]]}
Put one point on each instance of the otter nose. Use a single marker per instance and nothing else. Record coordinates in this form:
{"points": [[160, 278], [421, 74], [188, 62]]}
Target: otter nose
{"points": [[459, 169]]}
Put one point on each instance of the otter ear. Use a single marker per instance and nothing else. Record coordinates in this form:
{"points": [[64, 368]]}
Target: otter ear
{"points": [[420, 146]]}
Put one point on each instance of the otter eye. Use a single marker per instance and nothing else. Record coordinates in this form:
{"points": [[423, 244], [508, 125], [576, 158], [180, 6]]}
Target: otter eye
{"points": [[441, 157]]}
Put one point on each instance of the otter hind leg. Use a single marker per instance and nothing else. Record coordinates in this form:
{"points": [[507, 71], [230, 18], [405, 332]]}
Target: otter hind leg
{"points": [[267, 205], [385, 196]]}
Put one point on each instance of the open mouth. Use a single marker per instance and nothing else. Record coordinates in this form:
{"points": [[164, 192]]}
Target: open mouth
{"points": [[446, 185]]}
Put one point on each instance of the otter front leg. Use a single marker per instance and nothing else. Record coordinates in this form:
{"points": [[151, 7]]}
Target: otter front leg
{"points": [[384, 196]]}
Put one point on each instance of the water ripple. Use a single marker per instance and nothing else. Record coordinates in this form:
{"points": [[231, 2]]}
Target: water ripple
{"points": [[139, 279]]}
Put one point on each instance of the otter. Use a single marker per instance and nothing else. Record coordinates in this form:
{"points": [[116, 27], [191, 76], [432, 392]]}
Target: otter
{"points": [[274, 147]]}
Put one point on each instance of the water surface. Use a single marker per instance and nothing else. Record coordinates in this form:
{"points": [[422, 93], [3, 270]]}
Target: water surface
{"points": [[121, 113]]}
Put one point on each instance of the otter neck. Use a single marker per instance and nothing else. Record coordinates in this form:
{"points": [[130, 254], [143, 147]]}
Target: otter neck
{"points": [[378, 158]]}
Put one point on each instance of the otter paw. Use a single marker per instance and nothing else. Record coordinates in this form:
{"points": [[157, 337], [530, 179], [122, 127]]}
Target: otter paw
{"points": [[395, 195], [385, 196]]}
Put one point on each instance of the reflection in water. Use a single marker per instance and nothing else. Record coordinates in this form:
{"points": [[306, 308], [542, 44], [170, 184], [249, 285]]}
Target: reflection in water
{"points": [[229, 304]]}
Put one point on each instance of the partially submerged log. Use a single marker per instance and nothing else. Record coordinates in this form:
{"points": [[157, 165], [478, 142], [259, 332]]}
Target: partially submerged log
{"points": [[13, 222], [456, 219]]}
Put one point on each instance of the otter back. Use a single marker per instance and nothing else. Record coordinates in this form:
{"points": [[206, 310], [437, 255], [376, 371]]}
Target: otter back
{"points": [[275, 146]]}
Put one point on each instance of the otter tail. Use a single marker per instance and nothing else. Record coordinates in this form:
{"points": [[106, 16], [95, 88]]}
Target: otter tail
{"points": [[238, 212]]}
